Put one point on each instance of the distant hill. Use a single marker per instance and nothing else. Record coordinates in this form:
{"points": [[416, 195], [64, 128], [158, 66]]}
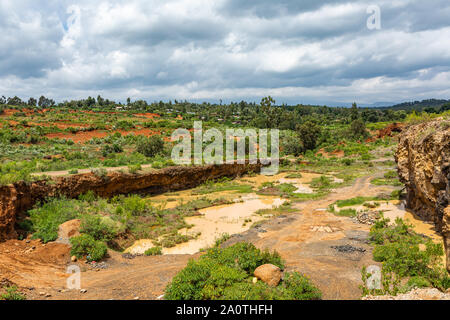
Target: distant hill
{"points": [[418, 105]]}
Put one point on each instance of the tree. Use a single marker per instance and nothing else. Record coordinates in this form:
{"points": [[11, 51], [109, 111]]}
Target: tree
{"points": [[309, 133], [354, 114], [32, 102], [45, 102], [150, 147], [358, 130]]}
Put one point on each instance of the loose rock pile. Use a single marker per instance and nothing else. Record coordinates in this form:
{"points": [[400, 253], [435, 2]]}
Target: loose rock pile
{"points": [[368, 217]]}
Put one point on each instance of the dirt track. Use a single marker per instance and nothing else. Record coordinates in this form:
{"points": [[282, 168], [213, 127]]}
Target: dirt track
{"points": [[304, 239]]}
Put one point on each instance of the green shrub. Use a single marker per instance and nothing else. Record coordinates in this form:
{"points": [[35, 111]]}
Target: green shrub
{"points": [[227, 274], [12, 294], [86, 246], [155, 251], [47, 218], [151, 146], [134, 168], [406, 255], [98, 228]]}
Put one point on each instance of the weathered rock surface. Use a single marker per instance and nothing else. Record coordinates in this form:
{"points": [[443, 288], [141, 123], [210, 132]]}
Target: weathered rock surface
{"points": [[416, 294], [423, 159], [17, 197], [68, 230], [269, 274]]}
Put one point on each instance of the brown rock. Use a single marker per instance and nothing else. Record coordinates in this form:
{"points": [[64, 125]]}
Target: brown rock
{"points": [[423, 159], [269, 274], [68, 230], [21, 196]]}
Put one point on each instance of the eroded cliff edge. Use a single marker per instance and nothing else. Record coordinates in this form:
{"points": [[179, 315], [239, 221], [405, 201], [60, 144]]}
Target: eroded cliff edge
{"points": [[21, 196], [423, 159]]}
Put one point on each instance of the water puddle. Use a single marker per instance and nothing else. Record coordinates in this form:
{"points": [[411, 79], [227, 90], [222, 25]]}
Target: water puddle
{"points": [[224, 219], [216, 221]]}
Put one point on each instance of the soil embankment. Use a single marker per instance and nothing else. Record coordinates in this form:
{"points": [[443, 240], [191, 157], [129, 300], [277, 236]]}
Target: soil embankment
{"points": [[16, 198], [423, 159]]}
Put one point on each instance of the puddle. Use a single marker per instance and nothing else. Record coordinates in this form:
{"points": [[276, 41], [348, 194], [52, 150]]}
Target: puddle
{"points": [[140, 246], [216, 221], [301, 188], [231, 218]]}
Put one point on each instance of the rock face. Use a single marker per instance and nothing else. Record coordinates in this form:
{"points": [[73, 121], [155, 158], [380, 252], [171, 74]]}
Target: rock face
{"points": [[16, 198], [269, 274], [423, 159]]}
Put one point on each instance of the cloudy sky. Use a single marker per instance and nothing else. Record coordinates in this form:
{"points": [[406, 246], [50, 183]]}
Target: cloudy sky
{"points": [[298, 51]]}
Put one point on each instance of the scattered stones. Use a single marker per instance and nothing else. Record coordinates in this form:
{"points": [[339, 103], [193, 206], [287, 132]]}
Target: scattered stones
{"points": [[128, 256], [348, 249], [368, 217], [269, 274], [73, 259]]}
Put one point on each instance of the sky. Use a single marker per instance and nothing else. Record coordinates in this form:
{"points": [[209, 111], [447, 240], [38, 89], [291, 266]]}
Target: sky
{"points": [[329, 52]]}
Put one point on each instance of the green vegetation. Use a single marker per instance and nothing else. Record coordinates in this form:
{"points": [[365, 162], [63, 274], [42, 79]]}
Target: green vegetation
{"points": [[11, 294], [85, 246], [227, 274], [408, 259], [353, 201], [154, 251]]}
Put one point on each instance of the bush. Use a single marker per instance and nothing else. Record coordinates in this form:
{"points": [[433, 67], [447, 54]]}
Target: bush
{"points": [[150, 147], [155, 251], [12, 294], [227, 273], [47, 218], [405, 254], [97, 227], [86, 246], [134, 168]]}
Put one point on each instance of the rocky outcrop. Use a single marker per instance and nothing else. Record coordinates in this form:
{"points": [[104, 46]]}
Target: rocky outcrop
{"points": [[16, 198], [423, 159]]}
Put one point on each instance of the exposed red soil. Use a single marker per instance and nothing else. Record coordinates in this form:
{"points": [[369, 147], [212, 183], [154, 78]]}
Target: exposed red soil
{"points": [[84, 136], [30, 263], [390, 129], [335, 153]]}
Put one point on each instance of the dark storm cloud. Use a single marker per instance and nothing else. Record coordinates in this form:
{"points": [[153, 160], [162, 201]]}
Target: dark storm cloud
{"points": [[299, 51]]}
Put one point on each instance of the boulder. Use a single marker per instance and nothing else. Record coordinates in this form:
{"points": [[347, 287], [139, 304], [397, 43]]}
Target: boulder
{"points": [[68, 230], [269, 274]]}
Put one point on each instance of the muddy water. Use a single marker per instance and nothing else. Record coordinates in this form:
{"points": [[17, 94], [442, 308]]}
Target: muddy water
{"points": [[217, 220]]}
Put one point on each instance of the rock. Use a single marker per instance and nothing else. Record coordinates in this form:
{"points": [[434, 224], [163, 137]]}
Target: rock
{"points": [[368, 217], [423, 160], [68, 230], [136, 298], [83, 290], [269, 274], [42, 293], [19, 197], [73, 259], [255, 280]]}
